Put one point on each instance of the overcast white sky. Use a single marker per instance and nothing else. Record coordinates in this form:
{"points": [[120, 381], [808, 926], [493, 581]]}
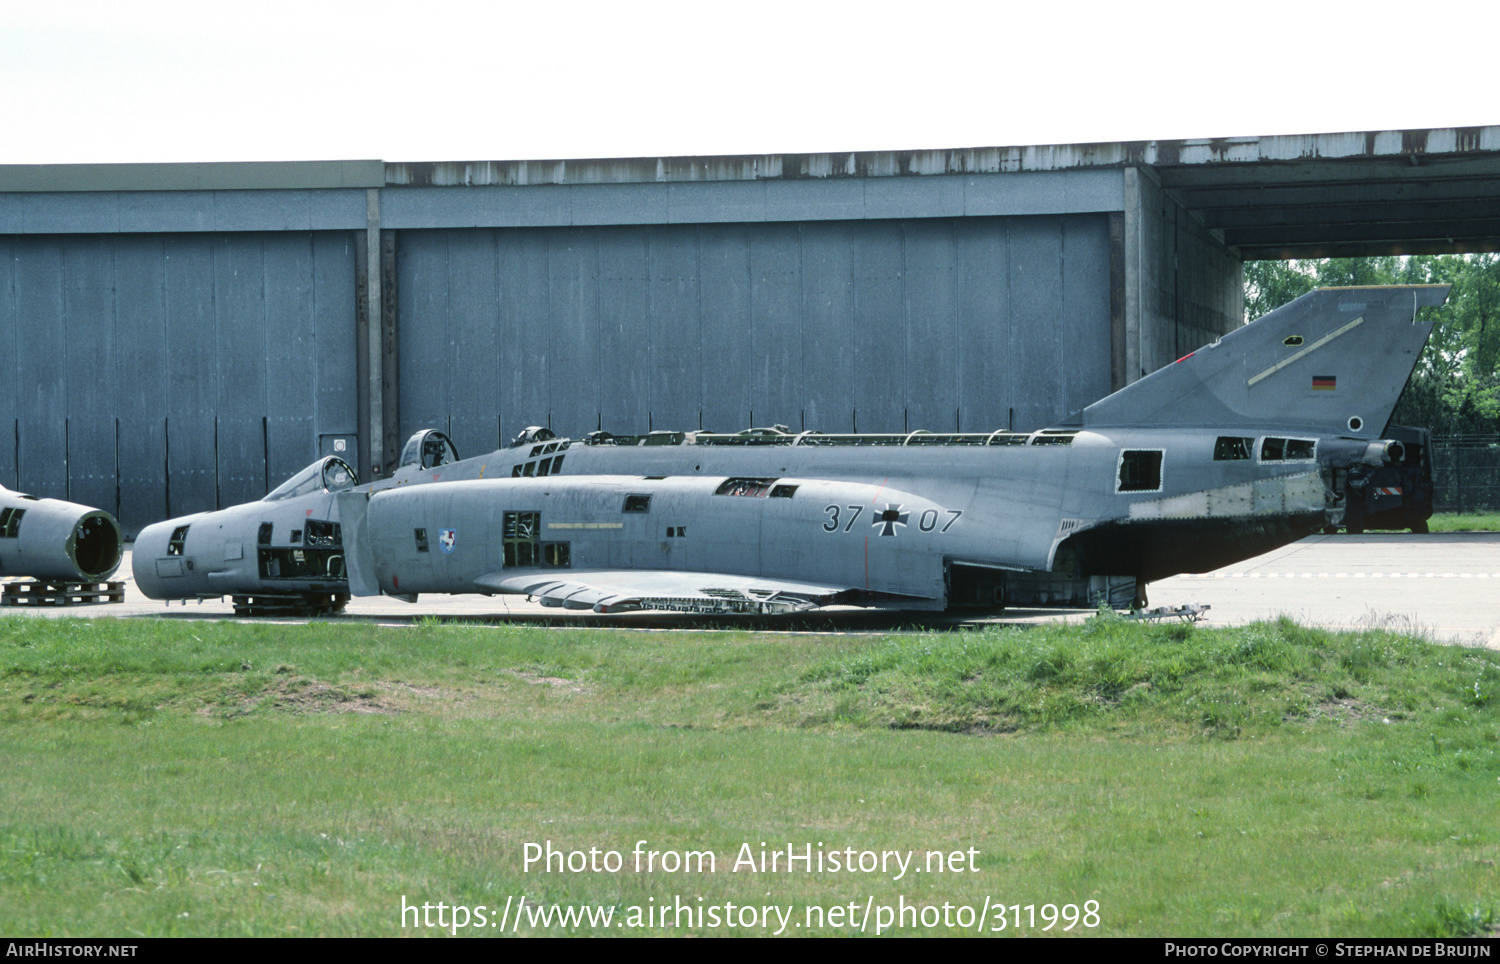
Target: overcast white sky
{"points": [[208, 80]]}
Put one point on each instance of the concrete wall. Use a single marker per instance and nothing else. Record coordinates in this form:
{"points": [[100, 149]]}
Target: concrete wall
{"points": [[1184, 288]]}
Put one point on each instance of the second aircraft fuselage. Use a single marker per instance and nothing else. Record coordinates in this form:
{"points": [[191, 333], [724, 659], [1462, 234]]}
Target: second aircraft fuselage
{"points": [[883, 518]]}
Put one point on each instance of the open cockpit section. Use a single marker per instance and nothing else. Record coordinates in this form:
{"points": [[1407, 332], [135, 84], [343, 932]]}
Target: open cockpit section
{"points": [[428, 449], [328, 474]]}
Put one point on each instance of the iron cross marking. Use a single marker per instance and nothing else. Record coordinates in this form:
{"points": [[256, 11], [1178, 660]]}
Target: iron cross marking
{"points": [[890, 518]]}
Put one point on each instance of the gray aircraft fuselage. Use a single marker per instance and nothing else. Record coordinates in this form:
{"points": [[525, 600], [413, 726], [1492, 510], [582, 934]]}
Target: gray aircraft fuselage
{"points": [[1233, 451], [879, 520], [56, 541]]}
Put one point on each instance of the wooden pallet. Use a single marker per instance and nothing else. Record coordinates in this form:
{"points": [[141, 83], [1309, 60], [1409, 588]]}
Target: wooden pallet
{"points": [[290, 604], [36, 593]]}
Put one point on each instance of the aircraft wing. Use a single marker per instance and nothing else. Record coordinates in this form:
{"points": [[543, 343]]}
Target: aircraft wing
{"points": [[618, 591]]}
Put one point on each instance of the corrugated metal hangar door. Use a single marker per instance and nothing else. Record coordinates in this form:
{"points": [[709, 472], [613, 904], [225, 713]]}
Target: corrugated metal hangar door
{"points": [[875, 326], [155, 375]]}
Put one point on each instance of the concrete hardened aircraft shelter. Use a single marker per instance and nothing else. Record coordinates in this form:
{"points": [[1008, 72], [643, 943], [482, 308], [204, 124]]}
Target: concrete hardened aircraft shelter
{"points": [[180, 337]]}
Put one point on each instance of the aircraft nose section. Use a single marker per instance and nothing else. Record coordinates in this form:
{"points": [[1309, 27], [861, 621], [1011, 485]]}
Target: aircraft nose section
{"points": [[152, 563]]}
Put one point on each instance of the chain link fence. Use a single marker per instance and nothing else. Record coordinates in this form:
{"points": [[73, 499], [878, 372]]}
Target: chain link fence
{"points": [[1465, 473]]}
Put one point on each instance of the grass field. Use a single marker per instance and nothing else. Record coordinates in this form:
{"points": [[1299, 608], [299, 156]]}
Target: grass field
{"points": [[202, 778], [1465, 522]]}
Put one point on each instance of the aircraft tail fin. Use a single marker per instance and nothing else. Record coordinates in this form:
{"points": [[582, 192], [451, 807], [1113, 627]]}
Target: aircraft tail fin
{"points": [[1332, 362]]}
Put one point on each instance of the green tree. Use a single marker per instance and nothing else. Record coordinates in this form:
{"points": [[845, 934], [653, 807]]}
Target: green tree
{"points": [[1271, 284], [1455, 388]]}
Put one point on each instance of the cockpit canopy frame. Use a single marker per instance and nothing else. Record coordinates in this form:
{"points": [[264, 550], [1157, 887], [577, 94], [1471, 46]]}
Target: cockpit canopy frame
{"points": [[428, 449], [328, 474]]}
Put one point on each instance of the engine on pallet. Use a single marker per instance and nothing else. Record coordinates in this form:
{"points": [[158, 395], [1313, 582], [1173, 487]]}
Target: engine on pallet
{"points": [[61, 553]]}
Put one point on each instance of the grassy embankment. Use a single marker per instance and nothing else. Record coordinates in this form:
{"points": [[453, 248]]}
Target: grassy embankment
{"points": [[170, 777]]}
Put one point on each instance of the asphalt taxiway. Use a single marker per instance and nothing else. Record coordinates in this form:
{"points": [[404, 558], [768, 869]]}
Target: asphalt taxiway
{"points": [[1446, 585]]}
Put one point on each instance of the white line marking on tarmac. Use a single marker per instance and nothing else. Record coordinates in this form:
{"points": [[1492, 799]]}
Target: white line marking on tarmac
{"points": [[1338, 575]]}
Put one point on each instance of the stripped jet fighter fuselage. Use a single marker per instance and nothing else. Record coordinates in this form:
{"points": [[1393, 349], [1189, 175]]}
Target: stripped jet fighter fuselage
{"points": [[55, 541], [1232, 451]]}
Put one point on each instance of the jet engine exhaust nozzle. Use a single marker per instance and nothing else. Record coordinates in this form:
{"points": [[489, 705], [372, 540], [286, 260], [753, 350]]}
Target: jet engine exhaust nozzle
{"points": [[1384, 451]]}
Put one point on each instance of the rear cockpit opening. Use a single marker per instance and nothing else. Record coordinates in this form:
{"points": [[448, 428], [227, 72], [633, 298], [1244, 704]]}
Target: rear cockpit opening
{"points": [[428, 449]]}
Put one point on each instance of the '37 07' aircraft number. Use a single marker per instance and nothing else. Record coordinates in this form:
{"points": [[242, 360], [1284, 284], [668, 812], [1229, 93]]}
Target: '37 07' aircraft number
{"points": [[927, 521]]}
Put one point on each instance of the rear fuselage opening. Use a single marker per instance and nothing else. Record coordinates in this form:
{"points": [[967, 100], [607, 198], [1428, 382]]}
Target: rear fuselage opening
{"points": [[96, 546]]}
